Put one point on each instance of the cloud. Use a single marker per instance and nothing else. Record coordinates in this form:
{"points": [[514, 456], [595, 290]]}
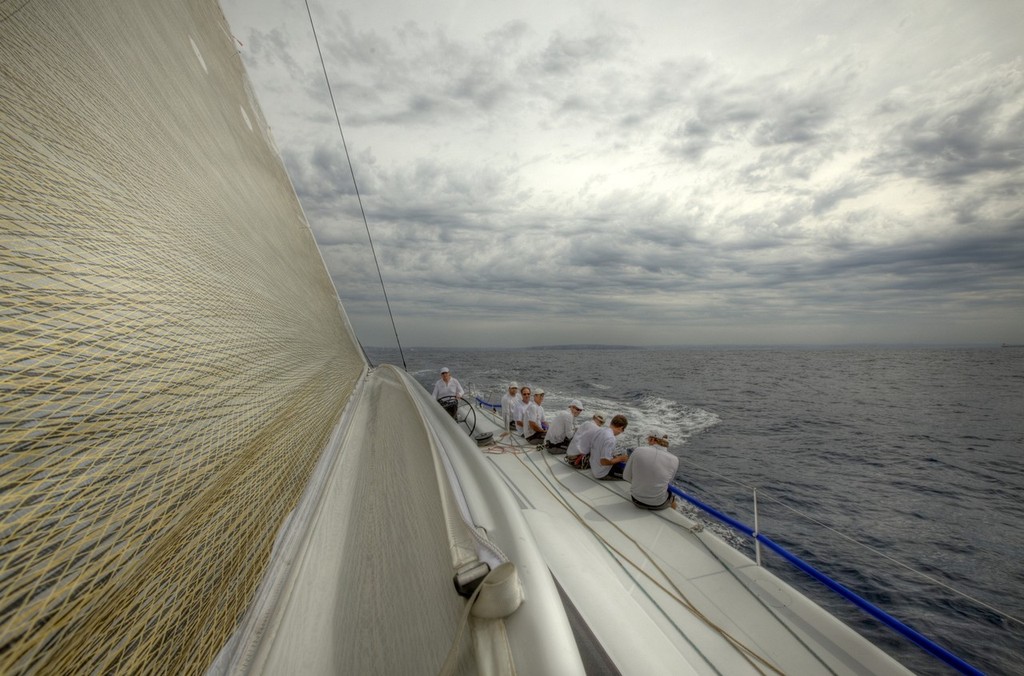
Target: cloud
{"points": [[728, 110], [271, 49], [963, 123], [582, 173], [828, 198], [565, 55]]}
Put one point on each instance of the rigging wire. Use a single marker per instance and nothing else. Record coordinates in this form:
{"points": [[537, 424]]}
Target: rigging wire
{"points": [[359, 198]]}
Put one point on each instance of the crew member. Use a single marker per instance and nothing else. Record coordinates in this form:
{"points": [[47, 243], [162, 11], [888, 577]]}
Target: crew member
{"points": [[573, 455], [534, 423], [603, 458], [562, 428], [508, 401], [446, 388], [517, 411], [650, 469]]}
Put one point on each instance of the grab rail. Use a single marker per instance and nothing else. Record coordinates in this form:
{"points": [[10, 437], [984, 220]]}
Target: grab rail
{"points": [[483, 402], [916, 637]]}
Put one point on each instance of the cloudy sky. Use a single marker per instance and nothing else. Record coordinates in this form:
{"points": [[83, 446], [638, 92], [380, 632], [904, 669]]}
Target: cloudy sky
{"points": [[657, 171]]}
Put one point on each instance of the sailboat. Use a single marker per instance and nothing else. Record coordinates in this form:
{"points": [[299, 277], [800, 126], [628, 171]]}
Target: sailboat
{"points": [[201, 472]]}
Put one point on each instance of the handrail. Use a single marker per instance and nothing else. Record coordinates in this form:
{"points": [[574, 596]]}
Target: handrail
{"points": [[916, 637], [484, 402]]}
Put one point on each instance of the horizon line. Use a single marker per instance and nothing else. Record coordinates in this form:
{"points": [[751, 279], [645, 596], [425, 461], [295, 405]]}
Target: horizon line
{"points": [[617, 346]]}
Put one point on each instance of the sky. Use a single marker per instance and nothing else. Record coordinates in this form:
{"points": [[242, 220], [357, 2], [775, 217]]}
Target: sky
{"points": [[656, 172]]}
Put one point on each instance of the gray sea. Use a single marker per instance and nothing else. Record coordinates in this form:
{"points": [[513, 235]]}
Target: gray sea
{"points": [[898, 472]]}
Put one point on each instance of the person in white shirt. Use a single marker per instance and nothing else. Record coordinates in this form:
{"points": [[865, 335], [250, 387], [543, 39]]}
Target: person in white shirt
{"points": [[562, 428], [650, 469], [573, 455], [508, 401], [603, 458], [534, 422], [446, 388], [520, 407]]}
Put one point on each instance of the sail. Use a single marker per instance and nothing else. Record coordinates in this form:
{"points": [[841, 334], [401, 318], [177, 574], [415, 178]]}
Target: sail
{"points": [[173, 356]]}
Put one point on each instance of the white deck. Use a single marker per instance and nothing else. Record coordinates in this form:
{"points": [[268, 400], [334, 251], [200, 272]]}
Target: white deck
{"points": [[660, 597], [657, 596]]}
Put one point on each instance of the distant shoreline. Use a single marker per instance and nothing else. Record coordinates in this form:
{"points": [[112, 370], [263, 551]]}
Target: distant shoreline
{"points": [[752, 346], [586, 347]]}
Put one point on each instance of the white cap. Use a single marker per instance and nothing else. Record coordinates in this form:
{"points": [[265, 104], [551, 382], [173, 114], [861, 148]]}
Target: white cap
{"points": [[513, 384], [538, 391], [445, 370], [599, 414], [576, 404], [657, 434]]}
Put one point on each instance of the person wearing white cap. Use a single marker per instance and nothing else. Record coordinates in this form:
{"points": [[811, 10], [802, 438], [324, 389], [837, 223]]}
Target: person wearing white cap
{"points": [[534, 422], [562, 428], [573, 455], [605, 460], [650, 469], [448, 389], [508, 402]]}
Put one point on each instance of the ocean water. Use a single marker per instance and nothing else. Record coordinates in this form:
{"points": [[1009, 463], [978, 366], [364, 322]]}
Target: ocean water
{"points": [[899, 472]]}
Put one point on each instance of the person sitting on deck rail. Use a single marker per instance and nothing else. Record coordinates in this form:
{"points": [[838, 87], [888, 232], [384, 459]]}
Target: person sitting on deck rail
{"points": [[650, 469], [534, 423], [448, 387], [562, 428], [603, 458], [573, 455], [508, 401], [520, 406]]}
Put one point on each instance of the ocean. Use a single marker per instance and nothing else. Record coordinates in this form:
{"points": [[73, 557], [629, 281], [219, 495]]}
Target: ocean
{"points": [[898, 472]]}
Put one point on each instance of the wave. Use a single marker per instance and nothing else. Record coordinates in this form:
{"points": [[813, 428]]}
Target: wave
{"points": [[643, 410]]}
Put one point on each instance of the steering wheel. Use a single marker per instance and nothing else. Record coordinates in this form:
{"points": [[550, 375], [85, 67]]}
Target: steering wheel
{"points": [[464, 413], [467, 416], [450, 404]]}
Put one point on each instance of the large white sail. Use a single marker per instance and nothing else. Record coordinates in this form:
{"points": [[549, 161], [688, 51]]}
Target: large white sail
{"points": [[173, 357], [198, 470]]}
